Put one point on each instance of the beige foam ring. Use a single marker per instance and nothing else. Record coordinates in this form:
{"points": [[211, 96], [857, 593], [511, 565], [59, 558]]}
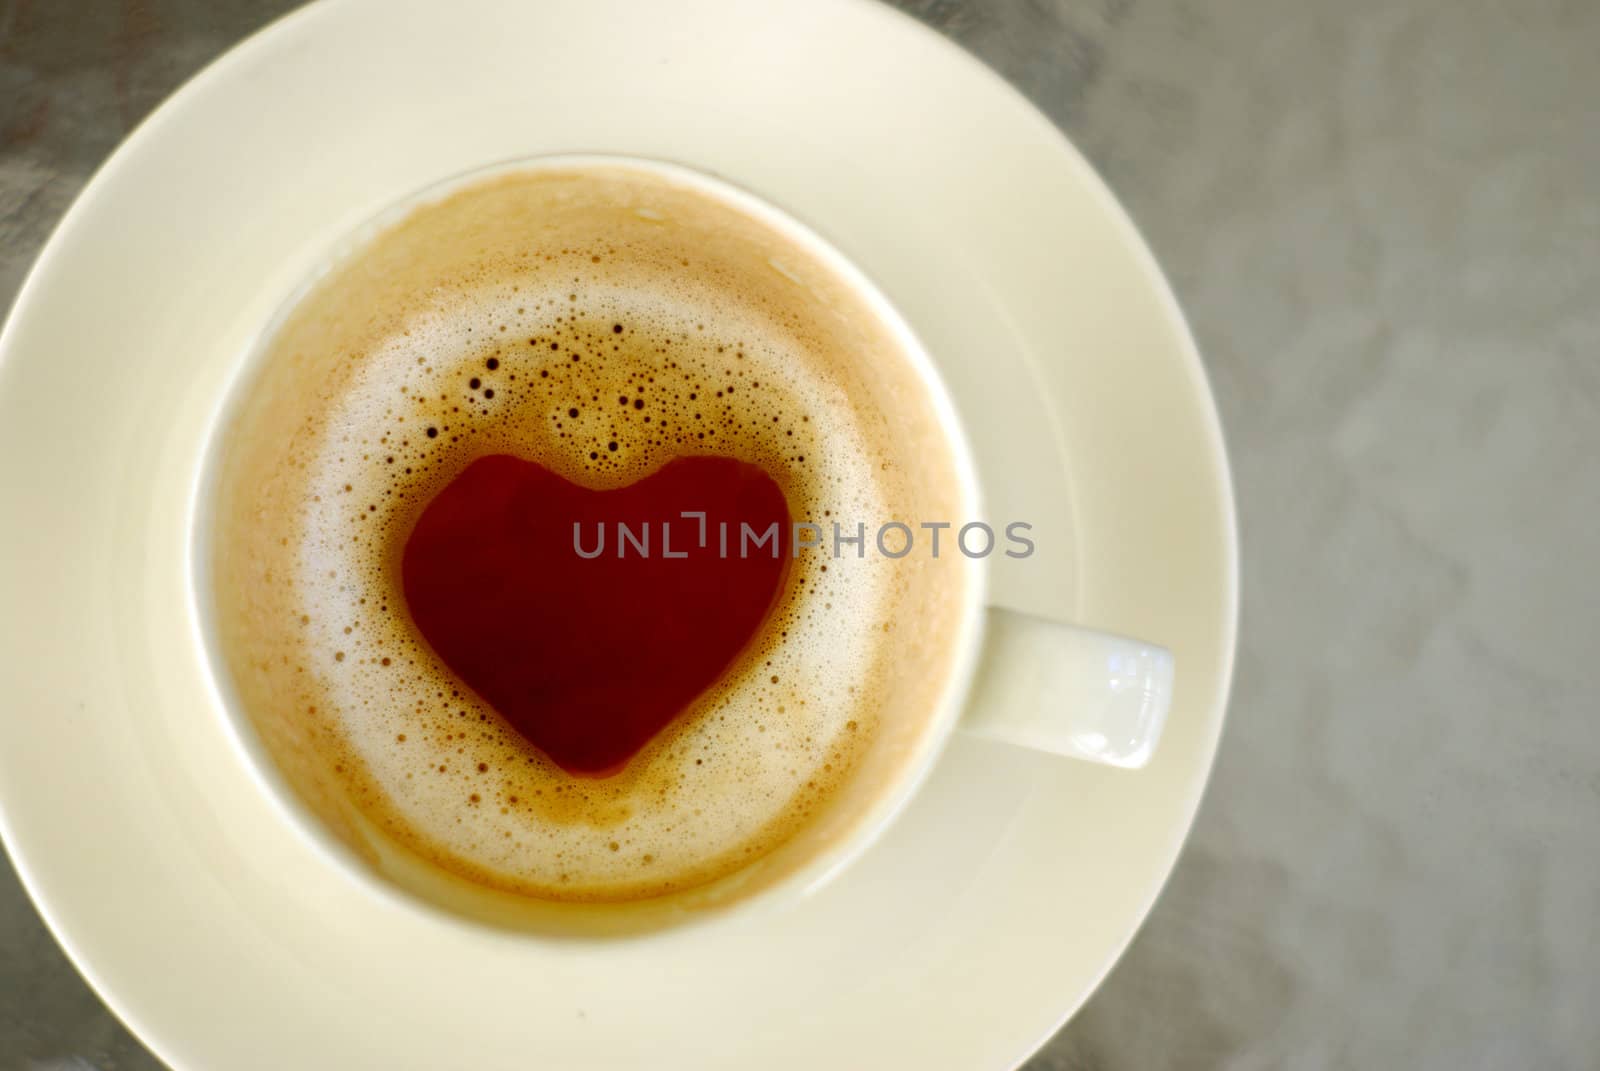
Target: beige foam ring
{"points": [[600, 322]]}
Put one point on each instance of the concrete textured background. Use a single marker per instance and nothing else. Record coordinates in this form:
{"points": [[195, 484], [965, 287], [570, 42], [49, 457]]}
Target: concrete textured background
{"points": [[1382, 218]]}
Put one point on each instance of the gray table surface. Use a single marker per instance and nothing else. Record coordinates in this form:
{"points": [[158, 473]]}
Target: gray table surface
{"points": [[1383, 221]]}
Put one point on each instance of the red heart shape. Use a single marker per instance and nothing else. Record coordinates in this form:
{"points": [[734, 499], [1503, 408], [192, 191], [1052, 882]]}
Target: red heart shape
{"points": [[590, 658]]}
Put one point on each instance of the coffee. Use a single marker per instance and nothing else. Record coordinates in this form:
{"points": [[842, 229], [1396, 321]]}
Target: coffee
{"points": [[404, 611], [588, 658]]}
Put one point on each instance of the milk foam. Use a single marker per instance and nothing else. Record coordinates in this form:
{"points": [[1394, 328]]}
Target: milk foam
{"points": [[600, 331]]}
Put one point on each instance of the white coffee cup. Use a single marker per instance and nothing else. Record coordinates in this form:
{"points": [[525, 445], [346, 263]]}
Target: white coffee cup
{"points": [[1017, 678]]}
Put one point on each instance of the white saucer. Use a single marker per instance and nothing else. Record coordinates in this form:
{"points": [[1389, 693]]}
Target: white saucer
{"points": [[1006, 892]]}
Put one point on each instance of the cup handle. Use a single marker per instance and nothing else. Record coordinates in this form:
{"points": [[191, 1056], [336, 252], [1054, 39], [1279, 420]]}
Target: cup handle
{"points": [[1067, 690]]}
